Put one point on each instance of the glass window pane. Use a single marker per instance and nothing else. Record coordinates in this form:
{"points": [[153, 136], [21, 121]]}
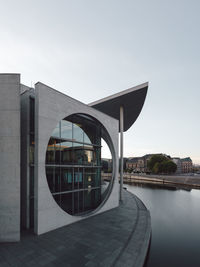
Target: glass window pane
{"points": [[86, 138], [87, 200], [53, 179], [81, 201], [66, 129], [90, 178], [92, 199], [96, 198], [97, 156], [77, 133], [66, 179], [66, 152], [78, 154], [76, 202], [98, 177], [50, 153], [92, 131], [80, 145], [67, 203], [57, 153], [88, 157], [56, 131], [32, 115], [76, 141], [31, 149], [57, 180], [78, 178]]}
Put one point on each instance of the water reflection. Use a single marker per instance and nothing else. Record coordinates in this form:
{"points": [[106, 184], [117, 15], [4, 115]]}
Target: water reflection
{"points": [[175, 217]]}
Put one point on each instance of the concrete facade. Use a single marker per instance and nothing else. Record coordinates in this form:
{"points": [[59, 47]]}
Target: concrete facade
{"points": [[10, 157], [51, 107], [28, 117]]}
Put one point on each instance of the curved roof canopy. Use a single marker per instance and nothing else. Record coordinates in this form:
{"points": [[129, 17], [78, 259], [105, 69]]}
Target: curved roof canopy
{"points": [[131, 99]]}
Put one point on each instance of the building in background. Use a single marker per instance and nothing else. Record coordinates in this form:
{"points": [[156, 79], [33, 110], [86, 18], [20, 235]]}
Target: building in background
{"points": [[106, 165], [177, 161], [136, 164], [140, 164], [186, 165]]}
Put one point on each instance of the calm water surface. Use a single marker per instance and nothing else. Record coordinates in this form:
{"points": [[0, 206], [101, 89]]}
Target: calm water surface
{"points": [[175, 218]]}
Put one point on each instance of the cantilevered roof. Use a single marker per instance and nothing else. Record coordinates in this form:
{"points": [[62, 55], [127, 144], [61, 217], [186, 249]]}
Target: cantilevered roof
{"points": [[131, 99]]}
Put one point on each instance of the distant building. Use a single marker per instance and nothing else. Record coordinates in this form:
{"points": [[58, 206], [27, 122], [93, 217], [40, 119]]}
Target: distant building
{"points": [[140, 164], [136, 164], [106, 164], [177, 161], [186, 165]]}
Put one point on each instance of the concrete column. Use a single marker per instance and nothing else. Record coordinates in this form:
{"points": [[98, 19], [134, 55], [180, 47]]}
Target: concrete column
{"points": [[121, 148], [9, 157]]}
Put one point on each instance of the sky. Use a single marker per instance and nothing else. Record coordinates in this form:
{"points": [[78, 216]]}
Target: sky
{"points": [[91, 49]]}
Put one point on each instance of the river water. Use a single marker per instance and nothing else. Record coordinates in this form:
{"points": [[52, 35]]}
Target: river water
{"points": [[175, 219]]}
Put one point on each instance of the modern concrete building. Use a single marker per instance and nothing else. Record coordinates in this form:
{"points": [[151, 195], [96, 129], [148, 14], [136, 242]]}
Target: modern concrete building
{"points": [[51, 155]]}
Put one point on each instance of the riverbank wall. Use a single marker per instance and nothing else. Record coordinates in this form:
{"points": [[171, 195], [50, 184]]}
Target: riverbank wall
{"points": [[191, 182]]}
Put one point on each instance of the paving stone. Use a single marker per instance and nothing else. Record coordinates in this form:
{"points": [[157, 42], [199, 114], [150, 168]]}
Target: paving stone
{"points": [[117, 238]]}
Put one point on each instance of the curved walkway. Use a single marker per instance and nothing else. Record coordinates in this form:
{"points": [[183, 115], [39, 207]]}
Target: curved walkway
{"points": [[119, 237]]}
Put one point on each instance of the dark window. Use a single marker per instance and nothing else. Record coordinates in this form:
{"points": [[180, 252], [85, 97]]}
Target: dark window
{"points": [[31, 158]]}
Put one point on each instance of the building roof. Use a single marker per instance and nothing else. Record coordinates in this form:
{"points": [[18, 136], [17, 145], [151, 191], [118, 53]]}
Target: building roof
{"points": [[131, 99], [133, 160], [186, 159]]}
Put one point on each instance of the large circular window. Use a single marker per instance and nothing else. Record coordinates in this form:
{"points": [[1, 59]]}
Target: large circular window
{"points": [[74, 165]]}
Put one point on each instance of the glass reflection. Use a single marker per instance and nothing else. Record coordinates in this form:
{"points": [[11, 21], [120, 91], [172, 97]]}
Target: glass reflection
{"points": [[66, 129], [66, 152], [77, 133], [73, 164], [56, 131], [53, 178], [66, 179]]}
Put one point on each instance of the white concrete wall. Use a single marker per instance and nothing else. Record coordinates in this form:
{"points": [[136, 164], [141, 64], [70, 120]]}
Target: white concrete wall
{"points": [[9, 157], [51, 107]]}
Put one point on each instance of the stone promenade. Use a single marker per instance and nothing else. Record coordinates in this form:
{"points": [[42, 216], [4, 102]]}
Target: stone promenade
{"points": [[119, 237]]}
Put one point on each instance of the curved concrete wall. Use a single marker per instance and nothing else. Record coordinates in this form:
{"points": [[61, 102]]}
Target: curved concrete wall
{"points": [[51, 107]]}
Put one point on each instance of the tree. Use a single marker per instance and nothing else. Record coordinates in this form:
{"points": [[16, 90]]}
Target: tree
{"points": [[154, 159], [161, 164], [170, 166]]}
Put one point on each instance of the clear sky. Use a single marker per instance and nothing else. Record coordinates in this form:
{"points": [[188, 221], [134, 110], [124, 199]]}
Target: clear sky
{"points": [[90, 49]]}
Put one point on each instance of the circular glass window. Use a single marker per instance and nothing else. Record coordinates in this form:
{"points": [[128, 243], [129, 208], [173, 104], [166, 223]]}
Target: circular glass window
{"points": [[75, 170]]}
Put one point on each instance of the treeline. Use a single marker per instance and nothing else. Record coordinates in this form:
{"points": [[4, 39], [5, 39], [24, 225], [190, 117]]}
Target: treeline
{"points": [[159, 164]]}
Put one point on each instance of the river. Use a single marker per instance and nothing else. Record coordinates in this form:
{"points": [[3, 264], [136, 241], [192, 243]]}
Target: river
{"points": [[175, 219]]}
